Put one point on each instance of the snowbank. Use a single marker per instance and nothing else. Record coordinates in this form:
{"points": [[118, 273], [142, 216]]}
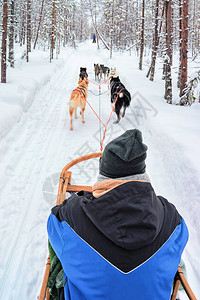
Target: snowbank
{"points": [[23, 83]]}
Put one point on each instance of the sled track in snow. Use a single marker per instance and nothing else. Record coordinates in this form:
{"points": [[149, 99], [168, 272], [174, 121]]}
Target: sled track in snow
{"points": [[43, 127], [46, 123]]}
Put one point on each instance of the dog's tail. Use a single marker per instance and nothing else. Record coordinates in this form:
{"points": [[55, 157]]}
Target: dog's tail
{"points": [[71, 103]]}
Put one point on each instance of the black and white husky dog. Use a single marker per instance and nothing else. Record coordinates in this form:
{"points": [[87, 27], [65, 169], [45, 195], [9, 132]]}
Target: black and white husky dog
{"points": [[124, 97]]}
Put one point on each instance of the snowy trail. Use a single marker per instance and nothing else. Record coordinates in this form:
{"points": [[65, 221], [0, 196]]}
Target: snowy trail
{"points": [[39, 135], [34, 152], [42, 144]]}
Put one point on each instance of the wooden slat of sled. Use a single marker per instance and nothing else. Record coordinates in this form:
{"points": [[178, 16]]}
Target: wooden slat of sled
{"points": [[64, 186], [79, 188], [186, 285], [64, 174], [44, 291], [180, 278]]}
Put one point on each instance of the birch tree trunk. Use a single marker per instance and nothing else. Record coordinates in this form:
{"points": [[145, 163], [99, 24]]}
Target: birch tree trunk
{"points": [[53, 30], [142, 37], [39, 24], [11, 34], [112, 29], [22, 34], [156, 41], [184, 50], [180, 43], [153, 56], [4, 40], [168, 55], [28, 30]]}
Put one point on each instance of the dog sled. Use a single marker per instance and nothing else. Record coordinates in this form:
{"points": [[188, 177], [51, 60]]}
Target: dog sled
{"points": [[66, 186]]}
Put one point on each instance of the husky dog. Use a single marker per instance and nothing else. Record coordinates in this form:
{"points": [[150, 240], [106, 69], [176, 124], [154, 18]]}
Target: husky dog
{"points": [[97, 72], [78, 99], [104, 71], [124, 97], [113, 72], [83, 74]]}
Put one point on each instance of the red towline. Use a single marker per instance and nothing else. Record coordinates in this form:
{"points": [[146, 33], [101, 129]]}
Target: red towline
{"points": [[105, 126]]}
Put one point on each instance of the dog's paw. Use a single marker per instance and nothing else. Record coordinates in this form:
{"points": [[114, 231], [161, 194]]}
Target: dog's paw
{"points": [[83, 121], [116, 122]]}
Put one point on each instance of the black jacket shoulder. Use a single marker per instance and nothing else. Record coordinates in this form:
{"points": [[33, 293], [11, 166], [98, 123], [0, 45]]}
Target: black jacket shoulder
{"points": [[127, 225]]}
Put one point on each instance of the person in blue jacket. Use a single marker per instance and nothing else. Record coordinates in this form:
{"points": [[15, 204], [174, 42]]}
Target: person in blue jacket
{"points": [[94, 38], [121, 241]]}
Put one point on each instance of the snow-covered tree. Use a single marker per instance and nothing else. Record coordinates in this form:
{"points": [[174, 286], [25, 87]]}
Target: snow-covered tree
{"points": [[184, 50], [11, 32], [4, 42]]}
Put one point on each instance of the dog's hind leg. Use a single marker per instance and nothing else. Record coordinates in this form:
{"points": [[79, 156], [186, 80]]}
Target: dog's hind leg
{"points": [[82, 114], [71, 110], [108, 84], [117, 121], [75, 113], [124, 110], [118, 107], [117, 110]]}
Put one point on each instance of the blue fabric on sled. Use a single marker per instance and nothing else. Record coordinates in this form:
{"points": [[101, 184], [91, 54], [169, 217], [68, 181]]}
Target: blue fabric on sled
{"points": [[92, 277]]}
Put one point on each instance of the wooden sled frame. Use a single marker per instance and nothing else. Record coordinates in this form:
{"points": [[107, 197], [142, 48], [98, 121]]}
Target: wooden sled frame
{"points": [[180, 278], [65, 186]]}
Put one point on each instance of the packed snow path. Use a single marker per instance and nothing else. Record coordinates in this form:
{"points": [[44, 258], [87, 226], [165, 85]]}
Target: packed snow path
{"points": [[35, 151]]}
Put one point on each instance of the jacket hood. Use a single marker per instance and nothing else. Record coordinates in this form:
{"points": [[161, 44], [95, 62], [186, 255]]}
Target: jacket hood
{"points": [[130, 215]]}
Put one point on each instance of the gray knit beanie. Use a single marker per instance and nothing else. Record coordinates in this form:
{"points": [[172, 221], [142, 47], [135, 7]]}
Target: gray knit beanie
{"points": [[124, 155]]}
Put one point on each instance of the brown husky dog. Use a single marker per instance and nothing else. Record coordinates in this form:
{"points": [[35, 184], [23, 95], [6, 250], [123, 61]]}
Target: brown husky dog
{"points": [[78, 99]]}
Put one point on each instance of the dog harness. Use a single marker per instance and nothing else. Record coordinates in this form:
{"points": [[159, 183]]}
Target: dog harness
{"points": [[82, 90]]}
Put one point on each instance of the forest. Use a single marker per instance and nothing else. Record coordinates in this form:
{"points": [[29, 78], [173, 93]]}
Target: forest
{"points": [[155, 28]]}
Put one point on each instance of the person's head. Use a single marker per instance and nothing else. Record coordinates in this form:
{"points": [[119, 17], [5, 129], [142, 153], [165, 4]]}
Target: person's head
{"points": [[124, 156]]}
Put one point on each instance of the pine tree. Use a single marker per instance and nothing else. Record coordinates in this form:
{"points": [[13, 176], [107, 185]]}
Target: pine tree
{"points": [[142, 36], [11, 34], [155, 43], [168, 55], [4, 40], [53, 29], [28, 30], [184, 50], [39, 24], [180, 43]]}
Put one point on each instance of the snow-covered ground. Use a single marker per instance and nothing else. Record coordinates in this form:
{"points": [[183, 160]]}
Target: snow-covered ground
{"points": [[36, 144]]}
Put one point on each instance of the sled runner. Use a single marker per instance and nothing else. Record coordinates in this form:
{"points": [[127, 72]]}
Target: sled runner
{"points": [[65, 186]]}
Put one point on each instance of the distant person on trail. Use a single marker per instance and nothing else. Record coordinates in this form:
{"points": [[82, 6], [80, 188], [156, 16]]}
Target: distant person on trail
{"points": [[121, 241], [94, 38]]}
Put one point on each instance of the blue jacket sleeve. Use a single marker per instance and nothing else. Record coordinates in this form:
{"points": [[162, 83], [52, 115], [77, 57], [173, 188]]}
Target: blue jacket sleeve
{"points": [[55, 234]]}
